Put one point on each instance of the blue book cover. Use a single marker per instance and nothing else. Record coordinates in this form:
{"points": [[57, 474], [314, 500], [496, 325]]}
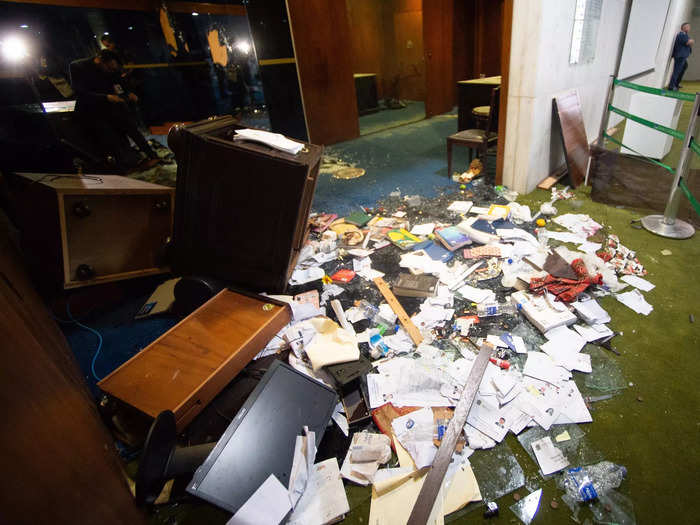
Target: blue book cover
{"points": [[452, 237], [438, 253]]}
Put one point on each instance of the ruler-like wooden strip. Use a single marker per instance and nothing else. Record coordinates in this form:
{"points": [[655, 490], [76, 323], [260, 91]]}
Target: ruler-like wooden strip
{"points": [[406, 322], [433, 481]]}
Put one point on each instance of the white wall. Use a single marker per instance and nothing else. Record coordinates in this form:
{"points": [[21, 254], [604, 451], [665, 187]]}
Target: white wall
{"points": [[678, 12], [540, 70]]}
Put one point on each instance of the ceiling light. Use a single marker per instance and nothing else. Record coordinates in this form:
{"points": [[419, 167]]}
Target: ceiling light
{"points": [[243, 47], [14, 49]]}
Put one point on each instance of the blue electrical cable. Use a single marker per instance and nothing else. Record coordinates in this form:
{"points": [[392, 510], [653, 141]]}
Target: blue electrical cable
{"points": [[92, 330]]}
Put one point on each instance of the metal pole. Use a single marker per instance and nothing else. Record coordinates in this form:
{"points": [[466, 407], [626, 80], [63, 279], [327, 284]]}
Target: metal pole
{"points": [[667, 225], [606, 111]]}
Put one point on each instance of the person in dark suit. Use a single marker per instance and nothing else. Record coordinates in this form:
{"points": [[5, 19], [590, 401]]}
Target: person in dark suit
{"points": [[102, 107], [682, 47]]}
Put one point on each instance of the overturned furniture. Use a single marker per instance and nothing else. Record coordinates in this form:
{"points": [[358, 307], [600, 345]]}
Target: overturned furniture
{"points": [[185, 368], [241, 208], [80, 229]]}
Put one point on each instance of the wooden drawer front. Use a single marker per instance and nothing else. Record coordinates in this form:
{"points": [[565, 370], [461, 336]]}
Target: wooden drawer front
{"points": [[187, 367], [115, 234]]}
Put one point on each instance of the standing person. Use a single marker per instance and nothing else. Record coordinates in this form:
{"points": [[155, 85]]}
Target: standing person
{"points": [[102, 106], [682, 47]]}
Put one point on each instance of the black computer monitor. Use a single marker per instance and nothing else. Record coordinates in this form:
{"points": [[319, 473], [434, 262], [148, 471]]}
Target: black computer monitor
{"points": [[260, 439]]}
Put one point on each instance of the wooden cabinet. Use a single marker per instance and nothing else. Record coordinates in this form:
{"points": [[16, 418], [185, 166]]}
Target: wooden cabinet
{"points": [[80, 230], [241, 208]]}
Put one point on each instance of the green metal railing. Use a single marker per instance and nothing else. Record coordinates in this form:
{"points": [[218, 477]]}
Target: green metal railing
{"points": [[686, 97], [667, 225]]}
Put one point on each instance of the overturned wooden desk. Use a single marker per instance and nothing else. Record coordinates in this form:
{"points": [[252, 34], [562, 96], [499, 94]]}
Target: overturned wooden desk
{"points": [[185, 368]]}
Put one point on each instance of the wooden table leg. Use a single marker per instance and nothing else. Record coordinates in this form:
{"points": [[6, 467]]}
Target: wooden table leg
{"points": [[449, 158]]}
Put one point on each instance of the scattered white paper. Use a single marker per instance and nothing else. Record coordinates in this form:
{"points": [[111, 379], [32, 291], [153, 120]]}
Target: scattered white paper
{"points": [[423, 229], [478, 210], [548, 456], [519, 344], [302, 464], [591, 312], [496, 341], [359, 252], [635, 300], [274, 140], [366, 452], [490, 419], [342, 422], [324, 500], [267, 506], [541, 366], [578, 223], [476, 295], [415, 432], [566, 237], [306, 275], [460, 206], [595, 332], [589, 247], [638, 282]]}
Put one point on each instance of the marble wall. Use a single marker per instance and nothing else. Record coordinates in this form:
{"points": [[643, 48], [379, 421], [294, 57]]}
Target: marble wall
{"points": [[540, 70]]}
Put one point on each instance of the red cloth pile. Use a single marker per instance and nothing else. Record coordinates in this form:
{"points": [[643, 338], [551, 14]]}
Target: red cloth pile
{"points": [[566, 290]]}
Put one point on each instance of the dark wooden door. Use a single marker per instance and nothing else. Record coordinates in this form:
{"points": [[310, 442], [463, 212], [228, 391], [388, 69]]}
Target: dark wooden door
{"points": [[437, 43], [321, 35]]}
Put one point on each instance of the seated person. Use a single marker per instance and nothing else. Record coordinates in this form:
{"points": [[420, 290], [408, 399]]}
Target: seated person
{"points": [[102, 106]]}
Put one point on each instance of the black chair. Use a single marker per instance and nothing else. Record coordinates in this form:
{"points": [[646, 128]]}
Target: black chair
{"points": [[477, 139]]}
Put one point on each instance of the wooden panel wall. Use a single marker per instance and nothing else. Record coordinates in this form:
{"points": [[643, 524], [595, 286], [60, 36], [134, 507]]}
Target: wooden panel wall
{"points": [[59, 460], [477, 39], [408, 59], [437, 40], [506, 31], [487, 50], [387, 39], [321, 33], [366, 22]]}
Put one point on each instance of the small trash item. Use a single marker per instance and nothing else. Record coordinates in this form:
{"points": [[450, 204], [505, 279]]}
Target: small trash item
{"points": [[587, 483], [666, 252], [412, 200], [492, 309], [378, 347], [527, 507], [491, 510], [343, 275], [509, 195]]}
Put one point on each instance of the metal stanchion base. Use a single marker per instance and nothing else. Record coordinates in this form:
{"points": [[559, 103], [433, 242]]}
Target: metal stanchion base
{"points": [[677, 230]]}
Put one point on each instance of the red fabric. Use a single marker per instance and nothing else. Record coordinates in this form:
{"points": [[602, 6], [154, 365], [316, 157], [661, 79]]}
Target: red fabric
{"points": [[566, 290]]}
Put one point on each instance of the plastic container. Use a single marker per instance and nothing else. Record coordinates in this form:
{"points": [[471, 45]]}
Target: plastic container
{"points": [[378, 348], [372, 314], [587, 483], [493, 309]]}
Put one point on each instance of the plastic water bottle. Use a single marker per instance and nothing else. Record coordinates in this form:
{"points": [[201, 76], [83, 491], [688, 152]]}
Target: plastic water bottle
{"points": [[493, 309]]}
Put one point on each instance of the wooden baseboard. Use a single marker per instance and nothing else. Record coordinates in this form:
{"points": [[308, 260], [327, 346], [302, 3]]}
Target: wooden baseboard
{"points": [[553, 178]]}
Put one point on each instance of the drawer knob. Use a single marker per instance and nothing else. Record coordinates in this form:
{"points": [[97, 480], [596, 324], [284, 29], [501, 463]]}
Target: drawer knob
{"points": [[85, 272], [81, 209]]}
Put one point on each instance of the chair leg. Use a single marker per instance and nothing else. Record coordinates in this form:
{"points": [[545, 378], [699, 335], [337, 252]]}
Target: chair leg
{"points": [[449, 159]]}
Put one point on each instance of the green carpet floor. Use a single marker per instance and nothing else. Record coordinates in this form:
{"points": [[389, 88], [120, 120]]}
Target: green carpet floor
{"points": [[652, 426]]}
